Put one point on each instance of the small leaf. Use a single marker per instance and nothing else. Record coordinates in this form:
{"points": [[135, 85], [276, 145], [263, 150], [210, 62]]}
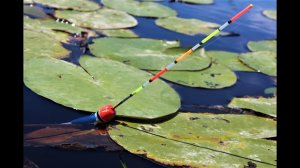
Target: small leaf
{"points": [[263, 105], [186, 26], [272, 14], [264, 45], [262, 61]]}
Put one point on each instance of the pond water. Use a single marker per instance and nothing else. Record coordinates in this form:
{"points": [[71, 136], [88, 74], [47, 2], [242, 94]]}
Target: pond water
{"points": [[253, 26]]}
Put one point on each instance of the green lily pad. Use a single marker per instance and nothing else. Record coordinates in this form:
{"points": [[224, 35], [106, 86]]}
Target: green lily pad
{"points": [[261, 104], [100, 19], [80, 5], [147, 54], [145, 9], [271, 90], [264, 45], [48, 26], [186, 26], [198, 1], [228, 59], [71, 86], [34, 11], [270, 14], [262, 61], [215, 77], [119, 33], [48, 48], [200, 140]]}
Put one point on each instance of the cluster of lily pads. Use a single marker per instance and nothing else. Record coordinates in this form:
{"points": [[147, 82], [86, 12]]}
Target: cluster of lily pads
{"points": [[122, 61]]}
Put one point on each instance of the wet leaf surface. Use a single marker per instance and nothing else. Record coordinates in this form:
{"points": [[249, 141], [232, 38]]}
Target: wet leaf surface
{"points": [[261, 104], [262, 61], [57, 30], [228, 59], [264, 45], [144, 9], [81, 5], [186, 26], [119, 33], [201, 140], [215, 77], [272, 14], [149, 54], [34, 11], [48, 48], [100, 19], [72, 137], [71, 86]]}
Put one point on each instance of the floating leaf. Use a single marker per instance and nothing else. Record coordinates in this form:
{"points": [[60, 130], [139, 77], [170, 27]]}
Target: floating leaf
{"points": [[228, 59], [34, 11], [215, 77], [270, 90], [264, 45], [119, 33], [48, 48], [186, 26], [80, 5], [262, 61], [201, 140], [71, 86], [70, 137], [261, 104], [48, 26], [147, 54], [198, 1], [270, 14], [100, 19], [145, 9]]}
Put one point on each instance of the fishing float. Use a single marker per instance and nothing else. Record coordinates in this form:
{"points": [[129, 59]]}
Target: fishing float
{"points": [[108, 112]]}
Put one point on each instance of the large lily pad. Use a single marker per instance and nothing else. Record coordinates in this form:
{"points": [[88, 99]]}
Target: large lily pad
{"points": [[48, 48], [201, 140], [100, 19], [71, 86], [34, 11], [270, 14], [198, 1], [228, 59], [262, 61], [215, 77], [186, 26], [81, 5], [261, 104], [145, 9], [119, 33], [264, 45], [147, 54]]}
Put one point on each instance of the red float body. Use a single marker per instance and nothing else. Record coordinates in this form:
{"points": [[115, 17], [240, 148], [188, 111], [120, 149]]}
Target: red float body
{"points": [[107, 113]]}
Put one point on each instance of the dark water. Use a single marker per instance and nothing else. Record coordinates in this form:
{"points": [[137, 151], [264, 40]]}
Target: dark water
{"points": [[252, 26]]}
